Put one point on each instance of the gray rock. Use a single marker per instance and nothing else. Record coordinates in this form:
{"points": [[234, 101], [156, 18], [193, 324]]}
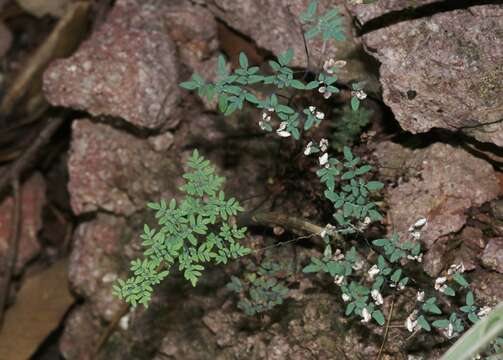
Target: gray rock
{"points": [[444, 71], [492, 257]]}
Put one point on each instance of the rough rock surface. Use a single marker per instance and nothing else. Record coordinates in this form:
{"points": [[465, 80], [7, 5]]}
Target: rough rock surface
{"points": [[5, 39], [444, 71], [82, 331], [94, 262], [194, 30], [127, 69], [441, 182], [367, 12], [117, 172], [32, 203], [493, 255], [307, 334], [274, 26]]}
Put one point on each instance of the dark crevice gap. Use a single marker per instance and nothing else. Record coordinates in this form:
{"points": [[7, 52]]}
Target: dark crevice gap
{"points": [[395, 17]]}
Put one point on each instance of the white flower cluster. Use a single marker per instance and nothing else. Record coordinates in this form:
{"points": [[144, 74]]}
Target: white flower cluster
{"points": [[311, 148], [373, 271], [456, 268], [440, 284], [266, 119], [377, 297], [484, 311], [338, 255], [415, 234], [328, 230], [449, 332], [366, 316], [331, 66], [360, 94], [317, 114], [416, 228], [282, 131], [411, 321]]}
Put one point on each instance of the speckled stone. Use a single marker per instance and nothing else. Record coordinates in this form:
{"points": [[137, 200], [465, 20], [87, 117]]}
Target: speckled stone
{"points": [[114, 171], [127, 68], [444, 71], [492, 257]]}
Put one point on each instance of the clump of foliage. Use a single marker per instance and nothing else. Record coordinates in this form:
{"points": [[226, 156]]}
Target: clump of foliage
{"points": [[263, 286], [194, 232], [348, 126], [199, 229]]}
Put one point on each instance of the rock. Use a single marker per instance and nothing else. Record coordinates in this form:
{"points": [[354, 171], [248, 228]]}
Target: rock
{"points": [[435, 259], [220, 324], [444, 182], [32, 204], [488, 287], [444, 71], [497, 209], [117, 172], [274, 26], [126, 69], [95, 262], [81, 334], [5, 39], [368, 12], [492, 257], [194, 31]]}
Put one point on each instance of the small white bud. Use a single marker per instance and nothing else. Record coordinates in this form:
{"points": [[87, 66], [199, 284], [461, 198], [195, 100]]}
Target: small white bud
{"points": [[411, 321], [420, 223], [346, 297], [323, 145], [309, 149], [339, 279], [439, 282], [376, 295], [365, 316], [282, 130], [373, 271], [420, 296], [484, 311], [323, 159]]}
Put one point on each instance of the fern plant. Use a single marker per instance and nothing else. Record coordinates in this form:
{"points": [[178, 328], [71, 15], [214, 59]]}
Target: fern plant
{"points": [[196, 231]]}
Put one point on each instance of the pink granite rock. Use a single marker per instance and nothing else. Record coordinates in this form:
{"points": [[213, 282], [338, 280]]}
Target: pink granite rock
{"points": [[127, 69], [32, 203], [444, 71], [118, 172], [367, 12], [443, 183], [94, 264], [492, 257], [82, 333]]}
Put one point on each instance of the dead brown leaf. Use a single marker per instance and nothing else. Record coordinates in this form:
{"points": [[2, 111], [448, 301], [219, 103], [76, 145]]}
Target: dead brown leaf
{"points": [[40, 305]]}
